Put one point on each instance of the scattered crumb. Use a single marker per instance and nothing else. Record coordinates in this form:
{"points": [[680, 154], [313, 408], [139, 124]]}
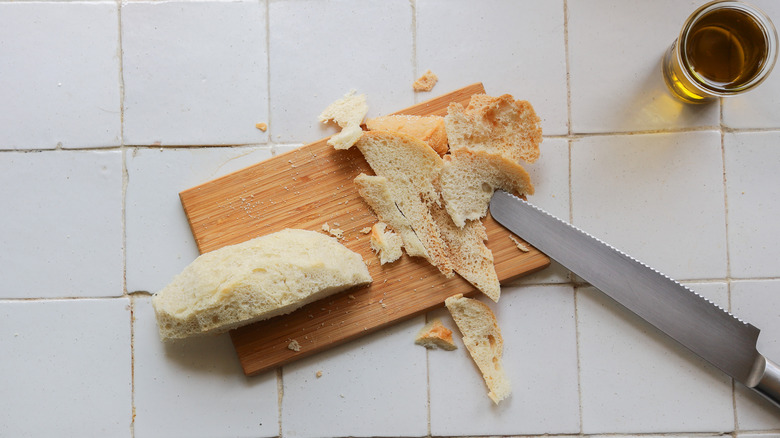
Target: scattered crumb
{"points": [[425, 82], [520, 245], [351, 297], [335, 232], [319, 374], [261, 126], [294, 345], [366, 230]]}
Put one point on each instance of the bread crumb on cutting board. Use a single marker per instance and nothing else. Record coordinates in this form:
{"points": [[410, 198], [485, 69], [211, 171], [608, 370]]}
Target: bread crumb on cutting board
{"points": [[294, 346]]}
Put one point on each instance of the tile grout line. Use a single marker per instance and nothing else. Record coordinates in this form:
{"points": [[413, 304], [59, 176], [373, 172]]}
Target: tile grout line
{"points": [[569, 143]]}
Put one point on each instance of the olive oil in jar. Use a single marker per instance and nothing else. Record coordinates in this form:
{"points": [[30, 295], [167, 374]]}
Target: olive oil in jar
{"points": [[726, 47]]}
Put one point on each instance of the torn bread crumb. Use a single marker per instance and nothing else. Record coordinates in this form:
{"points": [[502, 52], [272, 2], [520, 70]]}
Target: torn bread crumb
{"points": [[335, 232], [347, 112], [425, 82], [294, 346], [261, 126], [520, 245], [435, 335], [385, 243]]}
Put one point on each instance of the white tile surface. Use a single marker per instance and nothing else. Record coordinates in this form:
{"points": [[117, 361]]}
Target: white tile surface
{"points": [[195, 73], [545, 396], [758, 302], [61, 224], [753, 189], [374, 386], [196, 387], [65, 368], [757, 108], [635, 379], [514, 47], [615, 50], [657, 197], [159, 240], [60, 82], [320, 50]]}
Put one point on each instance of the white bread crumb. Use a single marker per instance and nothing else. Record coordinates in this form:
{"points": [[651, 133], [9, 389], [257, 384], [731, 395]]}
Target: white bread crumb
{"points": [[385, 243], [348, 112], [294, 345], [520, 245]]}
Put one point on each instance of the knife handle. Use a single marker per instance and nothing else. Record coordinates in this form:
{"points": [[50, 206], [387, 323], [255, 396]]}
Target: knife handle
{"points": [[769, 383]]}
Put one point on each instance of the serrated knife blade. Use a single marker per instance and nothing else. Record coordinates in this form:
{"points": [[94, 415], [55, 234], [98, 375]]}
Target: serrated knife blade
{"points": [[695, 322]]}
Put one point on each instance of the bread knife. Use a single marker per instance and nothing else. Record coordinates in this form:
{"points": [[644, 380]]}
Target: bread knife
{"points": [[695, 322]]}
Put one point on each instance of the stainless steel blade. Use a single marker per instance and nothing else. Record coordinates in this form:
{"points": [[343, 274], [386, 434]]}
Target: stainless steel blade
{"points": [[693, 321]]}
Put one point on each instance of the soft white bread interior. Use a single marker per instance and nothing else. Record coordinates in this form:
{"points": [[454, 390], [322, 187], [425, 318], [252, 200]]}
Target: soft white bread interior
{"points": [[429, 129], [482, 338], [348, 112], [385, 243], [435, 335], [255, 280], [469, 178], [374, 190], [467, 252], [499, 125]]}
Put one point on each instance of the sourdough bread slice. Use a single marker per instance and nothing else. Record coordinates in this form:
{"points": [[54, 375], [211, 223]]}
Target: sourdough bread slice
{"points": [[467, 252], [411, 168], [498, 125], [469, 178], [375, 191], [255, 280], [482, 338], [429, 129]]}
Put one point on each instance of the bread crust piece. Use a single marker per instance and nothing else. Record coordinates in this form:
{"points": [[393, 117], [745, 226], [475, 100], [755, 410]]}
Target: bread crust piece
{"points": [[499, 125], [255, 280], [482, 338], [429, 129], [435, 335], [469, 178]]}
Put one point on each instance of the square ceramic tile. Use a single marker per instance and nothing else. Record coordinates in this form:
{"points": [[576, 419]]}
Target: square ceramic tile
{"points": [[195, 387], [373, 386], [753, 189], [757, 108], [61, 226], [512, 47], [159, 240], [615, 51], [60, 82], [758, 302], [635, 379], [657, 197], [550, 176], [321, 50], [540, 359], [65, 369], [195, 73]]}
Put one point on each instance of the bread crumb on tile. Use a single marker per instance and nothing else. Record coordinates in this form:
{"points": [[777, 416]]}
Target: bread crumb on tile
{"points": [[294, 345], [319, 374], [261, 126], [425, 82]]}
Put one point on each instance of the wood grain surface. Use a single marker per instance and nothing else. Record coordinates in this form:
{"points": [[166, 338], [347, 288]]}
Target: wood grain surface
{"points": [[308, 188]]}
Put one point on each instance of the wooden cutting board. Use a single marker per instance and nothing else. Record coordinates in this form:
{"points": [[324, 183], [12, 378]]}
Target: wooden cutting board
{"points": [[308, 188]]}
